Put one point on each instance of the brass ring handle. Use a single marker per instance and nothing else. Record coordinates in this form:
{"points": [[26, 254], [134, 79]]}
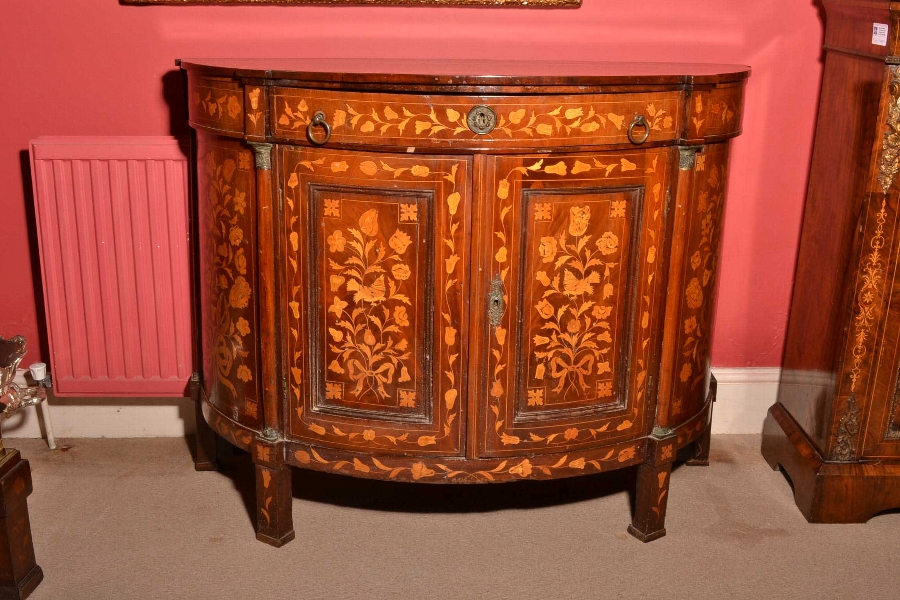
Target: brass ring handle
{"points": [[639, 121], [318, 119]]}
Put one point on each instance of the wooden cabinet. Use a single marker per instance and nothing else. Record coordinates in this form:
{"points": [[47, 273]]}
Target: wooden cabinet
{"points": [[446, 277], [835, 429]]}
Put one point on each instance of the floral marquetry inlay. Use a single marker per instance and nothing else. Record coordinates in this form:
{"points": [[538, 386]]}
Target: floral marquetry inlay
{"points": [[371, 317], [382, 238], [566, 232], [481, 471], [699, 280], [445, 118], [218, 104], [573, 297], [715, 112], [227, 227]]}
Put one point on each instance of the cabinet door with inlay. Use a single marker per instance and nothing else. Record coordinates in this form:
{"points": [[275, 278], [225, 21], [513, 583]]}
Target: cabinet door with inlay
{"points": [[569, 286], [375, 258]]}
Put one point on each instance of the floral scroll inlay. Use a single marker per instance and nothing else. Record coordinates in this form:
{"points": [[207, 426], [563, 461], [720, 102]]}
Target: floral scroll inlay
{"points": [[373, 269], [572, 298], [603, 118], [220, 104], [576, 289], [494, 471], [700, 273], [227, 197], [255, 112], [368, 320], [868, 295]]}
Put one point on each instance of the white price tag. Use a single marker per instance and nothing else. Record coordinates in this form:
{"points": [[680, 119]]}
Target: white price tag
{"points": [[879, 34]]}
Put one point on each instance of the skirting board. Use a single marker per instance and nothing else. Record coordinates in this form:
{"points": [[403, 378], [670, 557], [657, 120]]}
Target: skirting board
{"points": [[743, 399], [107, 417]]}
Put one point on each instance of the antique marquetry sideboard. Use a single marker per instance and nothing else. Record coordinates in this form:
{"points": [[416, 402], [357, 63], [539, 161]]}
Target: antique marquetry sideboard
{"points": [[835, 430], [449, 272]]}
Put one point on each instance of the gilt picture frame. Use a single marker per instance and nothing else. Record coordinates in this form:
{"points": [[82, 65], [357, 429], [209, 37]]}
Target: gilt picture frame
{"points": [[485, 3]]}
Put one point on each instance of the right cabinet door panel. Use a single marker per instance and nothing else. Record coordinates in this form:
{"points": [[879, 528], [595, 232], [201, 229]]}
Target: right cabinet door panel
{"points": [[569, 290]]}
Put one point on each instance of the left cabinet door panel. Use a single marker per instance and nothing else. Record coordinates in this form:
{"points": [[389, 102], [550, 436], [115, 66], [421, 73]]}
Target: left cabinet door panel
{"points": [[226, 189], [375, 258]]}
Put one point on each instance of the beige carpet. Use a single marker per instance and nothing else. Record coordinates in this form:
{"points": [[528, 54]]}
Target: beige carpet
{"points": [[131, 519]]}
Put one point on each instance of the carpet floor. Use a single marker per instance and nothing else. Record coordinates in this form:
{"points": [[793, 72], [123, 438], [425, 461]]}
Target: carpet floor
{"points": [[129, 518]]}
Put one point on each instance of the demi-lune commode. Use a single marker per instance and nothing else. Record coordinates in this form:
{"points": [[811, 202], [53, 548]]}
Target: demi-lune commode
{"points": [[458, 272]]}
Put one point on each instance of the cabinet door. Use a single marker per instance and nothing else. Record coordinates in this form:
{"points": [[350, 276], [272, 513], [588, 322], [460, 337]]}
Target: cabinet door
{"points": [[375, 258], [570, 291]]}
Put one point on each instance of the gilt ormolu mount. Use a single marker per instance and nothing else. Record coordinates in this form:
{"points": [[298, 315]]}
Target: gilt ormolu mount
{"points": [[438, 276]]}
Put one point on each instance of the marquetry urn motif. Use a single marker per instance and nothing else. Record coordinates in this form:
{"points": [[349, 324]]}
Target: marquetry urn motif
{"points": [[445, 277]]}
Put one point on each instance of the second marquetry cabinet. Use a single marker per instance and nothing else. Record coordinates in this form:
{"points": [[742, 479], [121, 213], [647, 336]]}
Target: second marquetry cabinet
{"points": [[429, 273]]}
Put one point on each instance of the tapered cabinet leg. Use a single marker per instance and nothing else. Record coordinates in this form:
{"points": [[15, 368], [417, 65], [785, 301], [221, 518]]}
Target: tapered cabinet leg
{"points": [[19, 573], [274, 522], [205, 437], [652, 493]]}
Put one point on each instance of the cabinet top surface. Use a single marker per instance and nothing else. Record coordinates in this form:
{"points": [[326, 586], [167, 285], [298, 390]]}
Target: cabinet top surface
{"points": [[468, 72]]}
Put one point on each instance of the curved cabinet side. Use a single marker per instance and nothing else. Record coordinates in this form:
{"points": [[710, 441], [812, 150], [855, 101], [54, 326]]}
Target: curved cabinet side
{"points": [[227, 268], [685, 377]]}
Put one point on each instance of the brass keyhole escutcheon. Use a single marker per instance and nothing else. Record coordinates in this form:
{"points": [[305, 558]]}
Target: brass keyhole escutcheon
{"points": [[482, 119], [496, 305]]}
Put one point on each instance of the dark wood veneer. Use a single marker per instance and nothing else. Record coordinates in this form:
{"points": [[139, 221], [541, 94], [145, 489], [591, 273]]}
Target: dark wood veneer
{"points": [[19, 572], [833, 427], [415, 301]]}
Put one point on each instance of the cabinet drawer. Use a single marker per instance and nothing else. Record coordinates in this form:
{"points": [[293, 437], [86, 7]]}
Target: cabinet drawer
{"points": [[434, 121]]}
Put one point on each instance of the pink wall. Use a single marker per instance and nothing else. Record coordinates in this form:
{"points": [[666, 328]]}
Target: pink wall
{"points": [[93, 67]]}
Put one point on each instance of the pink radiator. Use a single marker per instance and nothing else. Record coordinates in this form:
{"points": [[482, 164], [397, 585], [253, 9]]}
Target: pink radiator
{"points": [[112, 220]]}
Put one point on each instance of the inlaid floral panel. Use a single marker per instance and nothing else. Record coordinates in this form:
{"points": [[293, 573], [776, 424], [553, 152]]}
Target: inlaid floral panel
{"points": [[414, 120], [255, 99], [454, 470], [575, 247], [701, 263], [225, 186], [375, 265], [376, 258], [715, 112], [576, 256], [216, 104]]}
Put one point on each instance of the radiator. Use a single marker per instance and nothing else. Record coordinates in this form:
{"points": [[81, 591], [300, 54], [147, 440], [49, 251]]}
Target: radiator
{"points": [[113, 232]]}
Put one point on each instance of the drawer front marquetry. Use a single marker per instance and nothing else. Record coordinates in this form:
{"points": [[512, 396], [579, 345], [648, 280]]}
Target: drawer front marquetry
{"points": [[230, 333], [216, 104], [375, 272], [574, 244], [442, 121], [715, 113]]}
